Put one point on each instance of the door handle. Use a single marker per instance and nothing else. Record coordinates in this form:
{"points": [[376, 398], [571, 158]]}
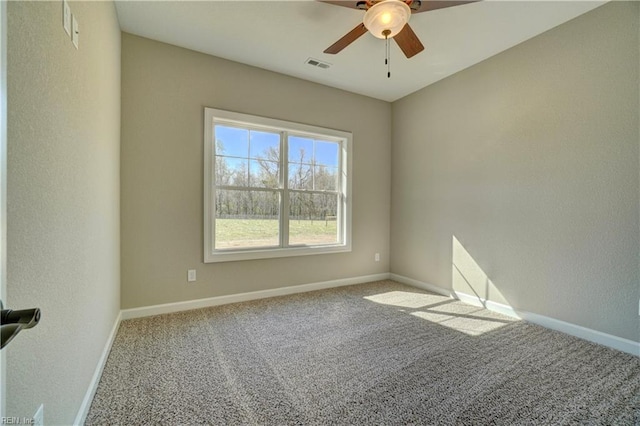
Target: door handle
{"points": [[13, 322]]}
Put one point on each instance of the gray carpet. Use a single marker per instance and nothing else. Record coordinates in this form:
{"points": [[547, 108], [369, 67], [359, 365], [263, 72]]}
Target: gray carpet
{"points": [[379, 353]]}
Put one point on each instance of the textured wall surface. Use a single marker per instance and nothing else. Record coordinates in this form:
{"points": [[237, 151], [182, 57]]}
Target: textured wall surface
{"points": [[63, 201], [517, 178], [164, 92]]}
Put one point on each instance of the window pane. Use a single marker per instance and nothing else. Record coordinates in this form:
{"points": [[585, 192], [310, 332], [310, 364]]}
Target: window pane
{"points": [[327, 153], [265, 145], [231, 171], [312, 218], [231, 141], [300, 176], [300, 150], [263, 173], [246, 219], [326, 178]]}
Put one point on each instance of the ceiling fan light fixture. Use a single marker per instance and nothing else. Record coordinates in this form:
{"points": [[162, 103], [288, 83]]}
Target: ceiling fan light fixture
{"points": [[387, 18]]}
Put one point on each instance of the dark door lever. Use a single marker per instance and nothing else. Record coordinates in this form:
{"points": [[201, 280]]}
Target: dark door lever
{"points": [[13, 322]]}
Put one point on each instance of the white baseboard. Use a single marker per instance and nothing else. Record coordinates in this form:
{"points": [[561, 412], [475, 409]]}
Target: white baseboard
{"points": [[203, 303], [244, 297], [490, 305], [605, 339], [93, 385], [615, 342]]}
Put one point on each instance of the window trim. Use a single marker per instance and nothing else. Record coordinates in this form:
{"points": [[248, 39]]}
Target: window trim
{"points": [[211, 255]]}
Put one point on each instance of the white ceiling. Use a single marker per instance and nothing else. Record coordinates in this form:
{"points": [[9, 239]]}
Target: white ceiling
{"points": [[281, 35]]}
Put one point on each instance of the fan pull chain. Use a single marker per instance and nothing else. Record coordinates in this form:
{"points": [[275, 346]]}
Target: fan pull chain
{"points": [[387, 52], [387, 59]]}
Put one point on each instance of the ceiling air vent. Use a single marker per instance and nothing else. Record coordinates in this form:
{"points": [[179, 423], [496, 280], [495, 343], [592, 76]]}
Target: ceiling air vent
{"points": [[317, 63]]}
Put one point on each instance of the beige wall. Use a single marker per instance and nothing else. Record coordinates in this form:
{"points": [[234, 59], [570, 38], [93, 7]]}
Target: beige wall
{"points": [[519, 176], [164, 92], [63, 201]]}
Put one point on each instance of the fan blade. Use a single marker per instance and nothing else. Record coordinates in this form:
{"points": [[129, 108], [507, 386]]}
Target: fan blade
{"points": [[346, 40], [350, 4], [428, 5], [408, 41]]}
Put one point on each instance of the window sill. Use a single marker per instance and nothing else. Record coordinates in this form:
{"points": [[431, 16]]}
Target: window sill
{"points": [[270, 253]]}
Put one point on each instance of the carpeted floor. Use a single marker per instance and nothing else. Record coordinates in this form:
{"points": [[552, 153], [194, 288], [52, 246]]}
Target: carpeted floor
{"points": [[379, 353]]}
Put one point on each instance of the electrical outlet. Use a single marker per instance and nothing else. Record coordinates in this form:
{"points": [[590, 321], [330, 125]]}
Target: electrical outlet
{"points": [[38, 417], [191, 275], [376, 257]]}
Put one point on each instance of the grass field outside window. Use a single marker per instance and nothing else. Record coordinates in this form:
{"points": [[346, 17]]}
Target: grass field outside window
{"points": [[236, 233]]}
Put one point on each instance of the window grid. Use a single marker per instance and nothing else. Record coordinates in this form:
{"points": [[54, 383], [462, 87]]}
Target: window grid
{"points": [[338, 172], [283, 190]]}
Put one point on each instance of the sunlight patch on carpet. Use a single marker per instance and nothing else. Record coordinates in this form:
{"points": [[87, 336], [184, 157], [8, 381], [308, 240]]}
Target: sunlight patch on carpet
{"points": [[442, 310], [406, 299], [467, 324]]}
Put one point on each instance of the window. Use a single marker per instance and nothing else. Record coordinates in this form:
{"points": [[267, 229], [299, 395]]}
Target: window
{"points": [[274, 188]]}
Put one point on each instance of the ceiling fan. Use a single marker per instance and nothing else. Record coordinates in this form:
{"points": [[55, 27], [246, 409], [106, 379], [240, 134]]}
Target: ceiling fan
{"points": [[387, 19]]}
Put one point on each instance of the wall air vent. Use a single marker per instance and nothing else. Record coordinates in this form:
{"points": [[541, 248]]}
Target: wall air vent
{"points": [[317, 63]]}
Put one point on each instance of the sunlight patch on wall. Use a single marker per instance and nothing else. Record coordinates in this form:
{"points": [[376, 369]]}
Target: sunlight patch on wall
{"points": [[406, 299], [468, 277]]}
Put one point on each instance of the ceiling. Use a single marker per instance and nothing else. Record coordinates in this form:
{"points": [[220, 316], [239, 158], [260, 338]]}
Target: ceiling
{"points": [[281, 35]]}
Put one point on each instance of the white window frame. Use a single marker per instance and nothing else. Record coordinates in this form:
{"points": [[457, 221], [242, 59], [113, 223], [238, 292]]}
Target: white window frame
{"points": [[216, 116]]}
